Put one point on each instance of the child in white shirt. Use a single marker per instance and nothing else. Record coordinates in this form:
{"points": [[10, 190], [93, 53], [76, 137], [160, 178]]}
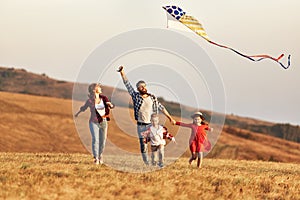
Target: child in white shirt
{"points": [[157, 134]]}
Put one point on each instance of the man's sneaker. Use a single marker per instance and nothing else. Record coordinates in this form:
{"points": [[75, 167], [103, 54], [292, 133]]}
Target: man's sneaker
{"points": [[161, 165]]}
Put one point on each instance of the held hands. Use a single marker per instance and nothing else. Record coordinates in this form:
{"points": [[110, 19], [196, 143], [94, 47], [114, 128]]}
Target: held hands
{"points": [[173, 122]]}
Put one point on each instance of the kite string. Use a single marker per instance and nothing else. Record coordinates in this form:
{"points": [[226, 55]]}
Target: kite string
{"points": [[167, 21]]}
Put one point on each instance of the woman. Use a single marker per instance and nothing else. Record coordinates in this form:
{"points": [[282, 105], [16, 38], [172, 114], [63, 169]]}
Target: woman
{"points": [[99, 107]]}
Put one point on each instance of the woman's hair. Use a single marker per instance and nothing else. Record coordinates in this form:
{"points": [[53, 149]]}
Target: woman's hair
{"points": [[92, 88]]}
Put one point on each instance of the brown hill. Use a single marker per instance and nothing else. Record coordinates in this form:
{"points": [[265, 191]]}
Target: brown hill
{"points": [[37, 124], [21, 81], [43, 124], [242, 144]]}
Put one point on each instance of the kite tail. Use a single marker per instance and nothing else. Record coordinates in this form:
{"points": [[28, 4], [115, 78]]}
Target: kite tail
{"points": [[288, 63], [260, 57]]}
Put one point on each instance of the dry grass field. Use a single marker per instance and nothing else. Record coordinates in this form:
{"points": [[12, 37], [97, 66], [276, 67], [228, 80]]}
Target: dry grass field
{"points": [[42, 157], [72, 176]]}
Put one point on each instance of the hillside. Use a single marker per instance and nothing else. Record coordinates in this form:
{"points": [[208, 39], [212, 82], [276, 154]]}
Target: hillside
{"points": [[44, 124], [37, 124], [21, 81]]}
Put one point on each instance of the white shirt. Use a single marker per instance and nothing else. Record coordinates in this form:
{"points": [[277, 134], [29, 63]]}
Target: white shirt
{"points": [[100, 108], [146, 110], [156, 135]]}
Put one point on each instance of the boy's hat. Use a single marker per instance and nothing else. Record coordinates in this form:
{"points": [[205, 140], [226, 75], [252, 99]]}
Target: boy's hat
{"points": [[197, 114]]}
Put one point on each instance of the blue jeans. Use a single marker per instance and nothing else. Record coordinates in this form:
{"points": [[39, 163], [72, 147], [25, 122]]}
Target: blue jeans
{"points": [[99, 135], [143, 146]]}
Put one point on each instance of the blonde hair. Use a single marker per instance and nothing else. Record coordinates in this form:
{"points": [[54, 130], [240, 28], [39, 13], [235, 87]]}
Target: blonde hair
{"points": [[154, 115]]}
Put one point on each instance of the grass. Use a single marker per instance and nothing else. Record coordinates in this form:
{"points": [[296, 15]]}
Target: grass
{"points": [[74, 176]]}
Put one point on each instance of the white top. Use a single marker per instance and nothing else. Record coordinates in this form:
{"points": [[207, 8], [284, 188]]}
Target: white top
{"points": [[100, 108], [156, 135], [146, 110]]}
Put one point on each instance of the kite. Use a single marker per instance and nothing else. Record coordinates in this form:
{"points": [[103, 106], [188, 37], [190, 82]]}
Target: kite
{"points": [[192, 23]]}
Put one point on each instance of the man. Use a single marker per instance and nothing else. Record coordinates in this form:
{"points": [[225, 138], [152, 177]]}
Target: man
{"points": [[144, 105]]}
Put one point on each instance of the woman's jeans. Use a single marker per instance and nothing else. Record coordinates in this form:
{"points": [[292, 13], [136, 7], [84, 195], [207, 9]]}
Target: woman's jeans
{"points": [[99, 135]]}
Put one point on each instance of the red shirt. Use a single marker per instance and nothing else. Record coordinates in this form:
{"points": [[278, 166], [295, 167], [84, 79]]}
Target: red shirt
{"points": [[198, 139], [95, 117]]}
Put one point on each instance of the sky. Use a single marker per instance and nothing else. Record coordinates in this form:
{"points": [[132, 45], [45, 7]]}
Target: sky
{"points": [[57, 37]]}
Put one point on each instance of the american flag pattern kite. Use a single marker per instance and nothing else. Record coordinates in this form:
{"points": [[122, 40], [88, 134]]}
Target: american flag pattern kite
{"points": [[193, 24]]}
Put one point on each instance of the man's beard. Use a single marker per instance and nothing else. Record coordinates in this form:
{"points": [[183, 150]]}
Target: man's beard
{"points": [[142, 92]]}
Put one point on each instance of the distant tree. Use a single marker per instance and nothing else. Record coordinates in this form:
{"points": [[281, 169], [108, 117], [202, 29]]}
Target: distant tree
{"points": [[45, 75]]}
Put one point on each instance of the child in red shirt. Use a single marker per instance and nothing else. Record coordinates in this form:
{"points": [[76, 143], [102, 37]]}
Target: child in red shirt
{"points": [[199, 142]]}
